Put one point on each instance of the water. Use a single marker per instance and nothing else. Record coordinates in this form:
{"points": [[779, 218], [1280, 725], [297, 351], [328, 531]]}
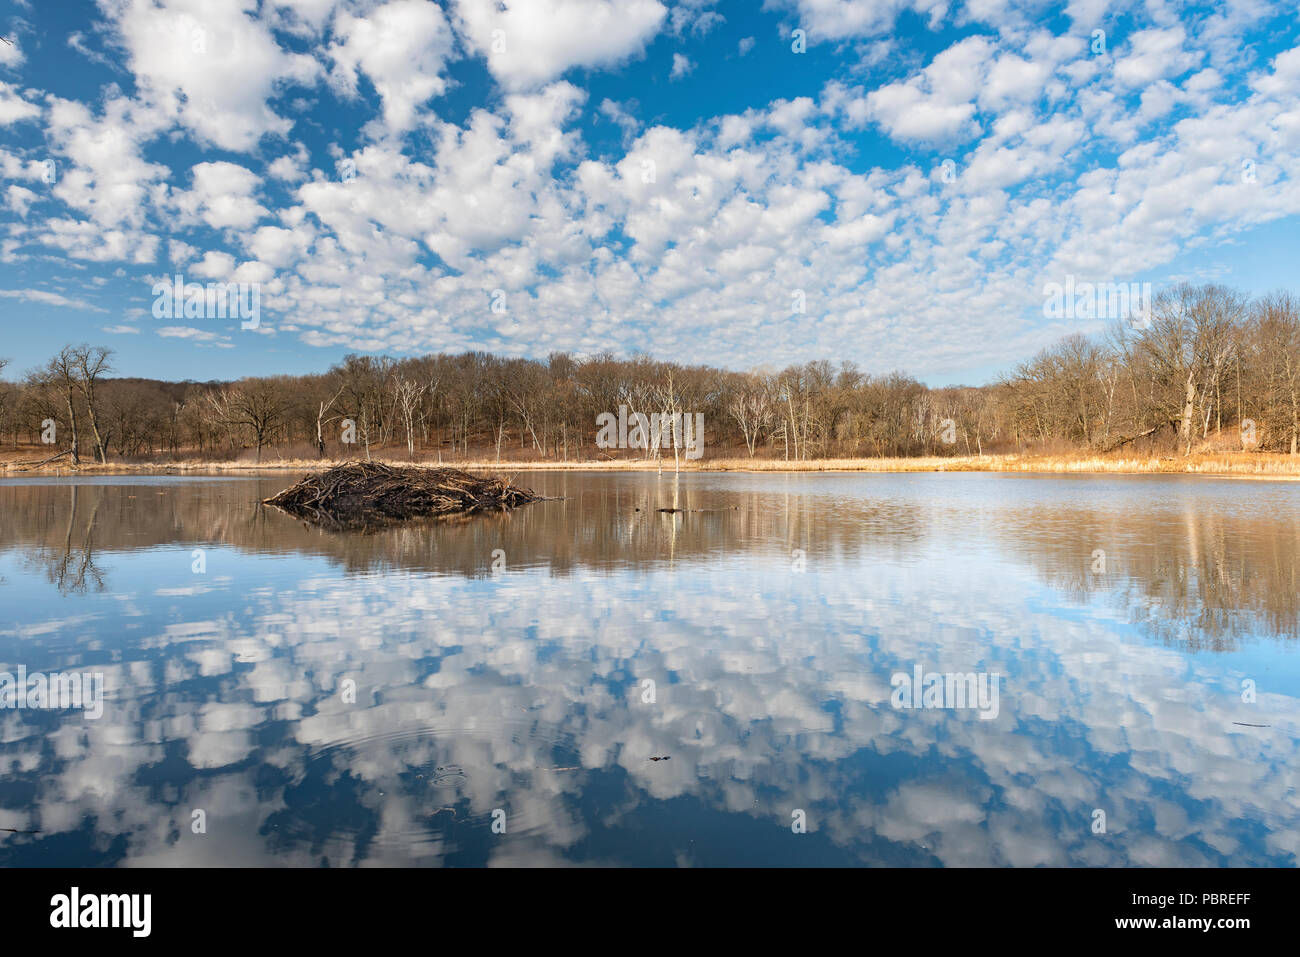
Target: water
{"points": [[504, 716]]}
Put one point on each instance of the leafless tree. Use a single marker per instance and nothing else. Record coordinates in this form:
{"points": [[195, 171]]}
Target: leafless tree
{"points": [[408, 394], [61, 373], [253, 404], [90, 363], [751, 407]]}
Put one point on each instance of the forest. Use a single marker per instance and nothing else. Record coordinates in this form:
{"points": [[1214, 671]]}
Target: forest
{"points": [[1206, 368]]}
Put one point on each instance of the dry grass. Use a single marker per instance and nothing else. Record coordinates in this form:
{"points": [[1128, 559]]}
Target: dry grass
{"points": [[1243, 464], [1239, 464]]}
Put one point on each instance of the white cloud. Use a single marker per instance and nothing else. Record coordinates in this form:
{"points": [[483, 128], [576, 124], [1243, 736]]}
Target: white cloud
{"points": [[529, 42], [45, 297], [693, 236], [938, 102], [1283, 76], [210, 65], [179, 253], [1013, 79], [279, 247], [214, 265], [13, 108], [401, 47], [11, 54], [222, 196], [311, 15], [842, 19], [19, 199], [290, 168], [195, 335], [86, 239], [107, 176], [696, 17], [1155, 54], [620, 116]]}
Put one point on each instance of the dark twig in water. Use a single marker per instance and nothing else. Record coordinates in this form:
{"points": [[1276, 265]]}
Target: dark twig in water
{"points": [[1243, 724], [367, 493], [16, 830]]}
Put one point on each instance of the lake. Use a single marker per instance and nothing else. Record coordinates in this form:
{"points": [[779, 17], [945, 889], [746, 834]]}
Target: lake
{"points": [[496, 689]]}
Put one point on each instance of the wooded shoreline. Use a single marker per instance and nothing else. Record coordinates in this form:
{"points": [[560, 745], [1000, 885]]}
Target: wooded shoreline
{"points": [[1207, 372], [1257, 465]]}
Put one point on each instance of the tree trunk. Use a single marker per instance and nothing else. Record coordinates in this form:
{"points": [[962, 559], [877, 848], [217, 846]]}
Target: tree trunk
{"points": [[1189, 408], [94, 428], [72, 421]]}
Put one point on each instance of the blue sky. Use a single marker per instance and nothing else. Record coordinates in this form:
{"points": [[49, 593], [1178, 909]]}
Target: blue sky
{"points": [[632, 175]]}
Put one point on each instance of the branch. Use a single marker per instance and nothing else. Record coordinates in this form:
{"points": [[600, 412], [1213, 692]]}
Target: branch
{"points": [[1132, 438], [43, 461]]}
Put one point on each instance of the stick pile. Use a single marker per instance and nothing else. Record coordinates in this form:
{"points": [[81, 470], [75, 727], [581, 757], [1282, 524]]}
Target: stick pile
{"points": [[367, 493]]}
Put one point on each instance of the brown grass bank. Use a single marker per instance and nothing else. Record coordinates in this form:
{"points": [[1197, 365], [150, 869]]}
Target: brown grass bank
{"points": [[1259, 465]]}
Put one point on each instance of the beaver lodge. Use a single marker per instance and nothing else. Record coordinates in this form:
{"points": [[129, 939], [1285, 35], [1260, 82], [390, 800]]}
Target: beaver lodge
{"points": [[367, 493]]}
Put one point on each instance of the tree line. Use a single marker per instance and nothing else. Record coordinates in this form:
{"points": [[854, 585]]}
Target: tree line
{"points": [[1205, 367]]}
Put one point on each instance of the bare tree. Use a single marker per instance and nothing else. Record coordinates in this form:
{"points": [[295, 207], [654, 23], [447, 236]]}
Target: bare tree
{"points": [[668, 398], [90, 363], [1276, 345], [751, 407], [61, 373], [408, 395], [324, 406], [253, 404], [1187, 348]]}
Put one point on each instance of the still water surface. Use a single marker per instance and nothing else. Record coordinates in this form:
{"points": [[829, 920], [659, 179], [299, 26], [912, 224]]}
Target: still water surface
{"points": [[1129, 620]]}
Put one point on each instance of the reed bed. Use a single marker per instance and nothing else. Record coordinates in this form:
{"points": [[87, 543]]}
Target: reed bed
{"points": [[1240, 464]]}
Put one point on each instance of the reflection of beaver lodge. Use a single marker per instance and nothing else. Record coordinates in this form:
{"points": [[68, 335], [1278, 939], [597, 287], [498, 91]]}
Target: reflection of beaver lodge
{"points": [[367, 493]]}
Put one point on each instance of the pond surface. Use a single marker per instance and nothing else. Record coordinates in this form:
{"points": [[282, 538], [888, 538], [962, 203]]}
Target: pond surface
{"points": [[496, 689]]}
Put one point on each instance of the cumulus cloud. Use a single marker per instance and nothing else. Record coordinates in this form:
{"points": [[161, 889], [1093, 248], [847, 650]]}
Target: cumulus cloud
{"points": [[844, 19], [106, 175], [13, 108], [19, 199], [1012, 152], [1154, 55], [211, 65], [936, 104], [529, 43], [11, 54], [401, 47], [222, 196]]}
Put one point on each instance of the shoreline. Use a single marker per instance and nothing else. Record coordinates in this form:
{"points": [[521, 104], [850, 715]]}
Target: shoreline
{"points": [[1262, 466]]}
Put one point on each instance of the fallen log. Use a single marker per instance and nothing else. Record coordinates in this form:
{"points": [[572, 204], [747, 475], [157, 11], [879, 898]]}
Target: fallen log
{"points": [[1132, 438], [367, 494], [41, 461]]}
